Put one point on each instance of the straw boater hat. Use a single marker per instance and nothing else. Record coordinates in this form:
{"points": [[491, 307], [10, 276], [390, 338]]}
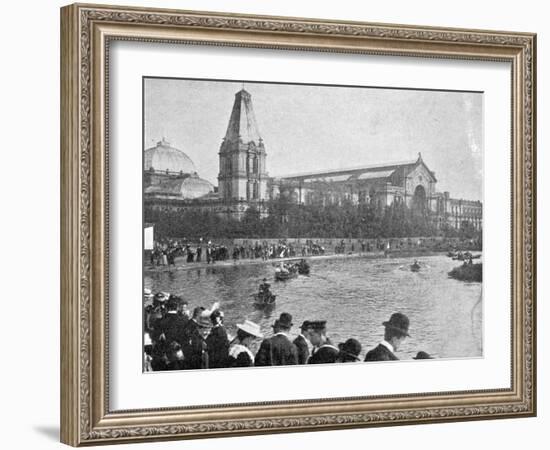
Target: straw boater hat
{"points": [[398, 322], [251, 328]]}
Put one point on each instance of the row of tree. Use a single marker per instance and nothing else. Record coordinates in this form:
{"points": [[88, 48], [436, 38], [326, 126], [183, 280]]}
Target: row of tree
{"points": [[287, 220]]}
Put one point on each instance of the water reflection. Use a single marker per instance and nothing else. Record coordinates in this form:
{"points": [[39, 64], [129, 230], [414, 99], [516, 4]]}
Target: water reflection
{"points": [[355, 295]]}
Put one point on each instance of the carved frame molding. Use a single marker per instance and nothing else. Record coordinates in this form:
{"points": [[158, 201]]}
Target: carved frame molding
{"points": [[86, 31]]}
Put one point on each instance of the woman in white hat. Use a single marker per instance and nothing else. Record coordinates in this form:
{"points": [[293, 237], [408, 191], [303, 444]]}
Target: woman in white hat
{"points": [[239, 351]]}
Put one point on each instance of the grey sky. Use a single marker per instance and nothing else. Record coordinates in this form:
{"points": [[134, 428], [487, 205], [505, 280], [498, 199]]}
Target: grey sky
{"points": [[309, 128]]}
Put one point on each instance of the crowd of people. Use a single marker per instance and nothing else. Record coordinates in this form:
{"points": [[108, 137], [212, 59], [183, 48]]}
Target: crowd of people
{"points": [[176, 339], [165, 251], [202, 250]]}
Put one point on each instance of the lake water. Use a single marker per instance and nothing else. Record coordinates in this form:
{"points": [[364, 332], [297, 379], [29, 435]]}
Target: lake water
{"points": [[354, 294]]}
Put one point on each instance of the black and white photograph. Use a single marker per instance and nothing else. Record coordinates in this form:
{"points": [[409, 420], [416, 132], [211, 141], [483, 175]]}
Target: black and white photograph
{"points": [[294, 224]]}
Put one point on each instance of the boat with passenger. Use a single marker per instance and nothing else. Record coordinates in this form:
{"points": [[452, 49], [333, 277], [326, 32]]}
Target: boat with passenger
{"points": [[263, 300], [286, 272], [415, 267], [303, 267]]}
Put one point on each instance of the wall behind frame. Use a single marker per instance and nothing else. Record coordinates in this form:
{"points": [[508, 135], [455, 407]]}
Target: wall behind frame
{"points": [[29, 113]]}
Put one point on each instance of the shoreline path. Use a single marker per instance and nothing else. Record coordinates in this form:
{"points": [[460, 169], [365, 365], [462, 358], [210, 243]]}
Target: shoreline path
{"points": [[181, 265]]}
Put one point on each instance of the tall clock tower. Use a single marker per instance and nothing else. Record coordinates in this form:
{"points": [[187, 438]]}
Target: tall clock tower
{"points": [[243, 174]]}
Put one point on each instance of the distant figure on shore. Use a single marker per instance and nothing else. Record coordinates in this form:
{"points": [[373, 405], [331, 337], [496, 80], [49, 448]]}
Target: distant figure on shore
{"points": [[190, 254], [209, 253], [323, 350], [349, 351], [278, 350], [396, 330], [239, 351], [302, 343], [199, 254]]}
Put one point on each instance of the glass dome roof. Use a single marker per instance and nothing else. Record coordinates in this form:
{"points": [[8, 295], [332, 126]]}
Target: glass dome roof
{"points": [[164, 158]]}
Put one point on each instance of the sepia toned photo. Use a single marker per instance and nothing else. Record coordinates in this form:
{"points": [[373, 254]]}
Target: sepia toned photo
{"points": [[296, 224]]}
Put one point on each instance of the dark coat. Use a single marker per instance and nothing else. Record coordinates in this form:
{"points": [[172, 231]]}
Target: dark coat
{"points": [[380, 353], [242, 360], [303, 350], [195, 350], [173, 327], [159, 364], [277, 351], [218, 347], [153, 319], [347, 358], [190, 330], [324, 355], [175, 365]]}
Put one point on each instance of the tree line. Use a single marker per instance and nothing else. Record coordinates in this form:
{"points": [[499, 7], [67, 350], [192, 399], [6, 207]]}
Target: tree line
{"points": [[289, 220]]}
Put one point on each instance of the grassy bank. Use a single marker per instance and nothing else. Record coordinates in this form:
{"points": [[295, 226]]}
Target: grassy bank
{"points": [[468, 272]]}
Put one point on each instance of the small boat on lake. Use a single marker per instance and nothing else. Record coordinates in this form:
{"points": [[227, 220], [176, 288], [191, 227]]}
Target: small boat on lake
{"points": [[415, 267], [264, 300], [465, 256], [286, 272], [283, 275]]}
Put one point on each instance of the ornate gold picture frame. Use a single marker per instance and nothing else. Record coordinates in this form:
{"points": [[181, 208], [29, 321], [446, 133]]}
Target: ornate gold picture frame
{"points": [[87, 31]]}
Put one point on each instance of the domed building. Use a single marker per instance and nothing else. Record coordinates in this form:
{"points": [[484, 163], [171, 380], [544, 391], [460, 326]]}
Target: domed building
{"points": [[169, 174], [167, 159]]}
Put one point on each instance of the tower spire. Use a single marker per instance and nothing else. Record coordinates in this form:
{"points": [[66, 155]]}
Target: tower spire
{"points": [[243, 175], [242, 122]]}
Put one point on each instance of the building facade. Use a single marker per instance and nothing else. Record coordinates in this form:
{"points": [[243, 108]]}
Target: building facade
{"points": [[172, 183]]}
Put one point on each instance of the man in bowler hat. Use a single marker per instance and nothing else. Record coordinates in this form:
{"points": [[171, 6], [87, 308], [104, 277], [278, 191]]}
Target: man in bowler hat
{"points": [[349, 351], [195, 348], [172, 326], [302, 343], [396, 330], [278, 350], [323, 350]]}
